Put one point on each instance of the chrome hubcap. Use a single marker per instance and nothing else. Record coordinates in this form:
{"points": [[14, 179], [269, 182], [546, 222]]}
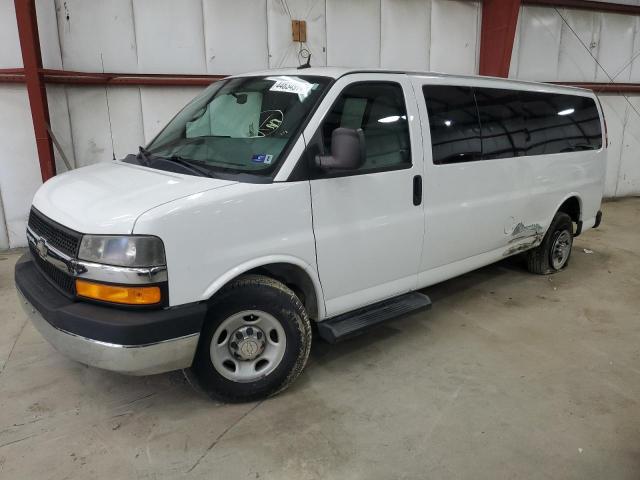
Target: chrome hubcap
{"points": [[560, 249], [247, 343], [247, 346]]}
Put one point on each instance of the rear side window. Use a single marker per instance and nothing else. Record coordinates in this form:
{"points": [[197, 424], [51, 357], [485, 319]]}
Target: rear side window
{"points": [[378, 108], [560, 123], [502, 121], [453, 121], [511, 123]]}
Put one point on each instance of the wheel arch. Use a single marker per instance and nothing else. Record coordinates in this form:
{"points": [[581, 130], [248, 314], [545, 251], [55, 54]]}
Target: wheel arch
{"points": [[292, 271], [572, 206]]}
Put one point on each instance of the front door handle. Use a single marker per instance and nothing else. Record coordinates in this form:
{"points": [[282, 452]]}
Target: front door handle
{"points": [[417, 190]]}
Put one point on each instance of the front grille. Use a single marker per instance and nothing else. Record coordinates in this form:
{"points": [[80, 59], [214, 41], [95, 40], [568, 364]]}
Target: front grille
{"points": [[56, 235], [62, 280]]}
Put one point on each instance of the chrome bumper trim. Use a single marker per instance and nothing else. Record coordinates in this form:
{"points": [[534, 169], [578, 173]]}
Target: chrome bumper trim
{"points": [[113, 274], [149, 359]]}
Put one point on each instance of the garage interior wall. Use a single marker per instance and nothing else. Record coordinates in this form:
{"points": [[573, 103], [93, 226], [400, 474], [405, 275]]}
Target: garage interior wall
{"points": [[97, 123], [550, 46]]}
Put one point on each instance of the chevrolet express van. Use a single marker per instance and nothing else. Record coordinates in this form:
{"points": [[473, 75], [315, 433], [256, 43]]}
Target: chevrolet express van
{"points": [[286, 198]]}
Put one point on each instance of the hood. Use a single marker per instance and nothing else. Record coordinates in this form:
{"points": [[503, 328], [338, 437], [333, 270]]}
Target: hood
{"points": [[108, 197]]}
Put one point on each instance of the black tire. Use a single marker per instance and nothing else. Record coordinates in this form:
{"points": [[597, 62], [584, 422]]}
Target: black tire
{"points": [[539, 259], [255, 292]]}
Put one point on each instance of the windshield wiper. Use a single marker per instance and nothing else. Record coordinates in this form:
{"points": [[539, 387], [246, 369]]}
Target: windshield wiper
{"points": [[143, 154], [190, 165]]}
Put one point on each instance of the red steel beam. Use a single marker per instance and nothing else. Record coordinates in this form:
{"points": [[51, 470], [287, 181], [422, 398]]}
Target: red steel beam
{"points": [[588, 5], [84, 78], [499, 20], [17, 75], [32, 60], [604, 87], [11, 75]]}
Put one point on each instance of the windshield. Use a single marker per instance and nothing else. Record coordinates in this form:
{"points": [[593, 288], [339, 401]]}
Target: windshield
{"points": [[240, 125]]}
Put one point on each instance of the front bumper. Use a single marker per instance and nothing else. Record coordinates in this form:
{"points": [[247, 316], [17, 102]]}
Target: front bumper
{"points": [[135, 342]]}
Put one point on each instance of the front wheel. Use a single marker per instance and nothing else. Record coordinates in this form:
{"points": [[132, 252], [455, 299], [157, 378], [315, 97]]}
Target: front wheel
{"points": [[255, 342], [553, 254]]}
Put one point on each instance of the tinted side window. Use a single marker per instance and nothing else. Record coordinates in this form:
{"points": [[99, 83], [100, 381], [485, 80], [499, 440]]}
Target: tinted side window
{"points": [[453, 122], [560, 123], [378, 108], [503, 123]]}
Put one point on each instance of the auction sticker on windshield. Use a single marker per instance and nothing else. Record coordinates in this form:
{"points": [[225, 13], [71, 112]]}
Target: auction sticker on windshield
{"points": [[292, 86]]}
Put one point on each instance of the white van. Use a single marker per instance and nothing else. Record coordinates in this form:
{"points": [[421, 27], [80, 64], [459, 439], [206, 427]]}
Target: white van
{"points": [[281, 199]]}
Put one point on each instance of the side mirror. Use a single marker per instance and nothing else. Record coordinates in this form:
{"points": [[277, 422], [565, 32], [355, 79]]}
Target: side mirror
{"points": [[347, 150]]}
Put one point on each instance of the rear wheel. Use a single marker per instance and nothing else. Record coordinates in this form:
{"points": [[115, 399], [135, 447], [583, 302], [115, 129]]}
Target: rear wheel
{"points": [[255, 342], [553, 254]]}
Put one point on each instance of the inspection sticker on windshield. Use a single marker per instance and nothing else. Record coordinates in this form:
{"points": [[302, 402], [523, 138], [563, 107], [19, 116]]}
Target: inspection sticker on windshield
{"points": [[292, 86], [262, 158]]}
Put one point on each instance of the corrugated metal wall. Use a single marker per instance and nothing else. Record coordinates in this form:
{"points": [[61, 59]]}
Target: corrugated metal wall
{"points": [[229, 36], [194, 37], [585, 46]]}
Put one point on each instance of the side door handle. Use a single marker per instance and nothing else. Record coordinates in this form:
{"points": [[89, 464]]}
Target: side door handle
{"points": [[417, 190]]}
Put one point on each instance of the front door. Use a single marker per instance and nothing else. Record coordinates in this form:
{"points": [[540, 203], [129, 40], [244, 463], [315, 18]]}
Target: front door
{"points": [[369, 222]]}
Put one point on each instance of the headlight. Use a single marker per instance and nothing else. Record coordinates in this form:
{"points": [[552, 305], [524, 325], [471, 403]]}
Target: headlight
{"points": [[123, 251]]}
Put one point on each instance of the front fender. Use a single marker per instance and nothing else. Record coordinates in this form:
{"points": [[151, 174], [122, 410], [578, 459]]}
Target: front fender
{"points": [[238, 270]]}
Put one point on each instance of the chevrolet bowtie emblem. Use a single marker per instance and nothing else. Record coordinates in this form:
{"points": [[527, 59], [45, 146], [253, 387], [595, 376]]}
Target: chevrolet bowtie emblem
{"points": [[41, 248]]}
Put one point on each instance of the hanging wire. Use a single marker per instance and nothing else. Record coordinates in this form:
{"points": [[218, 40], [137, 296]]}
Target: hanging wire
{"points": [[106, 96], [611, 79]]}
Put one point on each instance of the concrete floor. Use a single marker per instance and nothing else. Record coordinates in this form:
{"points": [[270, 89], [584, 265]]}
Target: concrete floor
{"points": [[510, 375]]}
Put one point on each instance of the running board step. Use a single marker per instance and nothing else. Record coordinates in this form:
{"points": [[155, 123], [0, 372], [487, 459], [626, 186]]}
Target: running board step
{"points": [[354, 323]]}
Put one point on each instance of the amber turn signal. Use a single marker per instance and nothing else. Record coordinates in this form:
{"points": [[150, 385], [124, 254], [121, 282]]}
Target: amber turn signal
{"points": [[118, 293]]}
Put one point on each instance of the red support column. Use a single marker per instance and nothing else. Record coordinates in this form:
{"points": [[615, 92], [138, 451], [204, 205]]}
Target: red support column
{"points": [[499, 20], [32, 59]]}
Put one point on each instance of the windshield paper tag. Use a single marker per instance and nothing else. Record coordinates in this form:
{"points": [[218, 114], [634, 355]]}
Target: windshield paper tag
{"points": [[262, 158], [291, 86]]}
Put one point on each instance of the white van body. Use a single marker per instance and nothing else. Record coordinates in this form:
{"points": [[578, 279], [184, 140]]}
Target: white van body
{"points": [[346, 241]]}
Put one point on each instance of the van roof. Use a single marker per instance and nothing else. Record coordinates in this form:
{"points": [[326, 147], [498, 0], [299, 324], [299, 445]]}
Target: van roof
{"points": [[337, 72]]}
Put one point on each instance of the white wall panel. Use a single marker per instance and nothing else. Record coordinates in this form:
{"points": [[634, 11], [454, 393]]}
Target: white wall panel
{"points": [[89, 125], [515, 51], [96, 34], [539, 45], [576, 63], [635, 64], [238, 45], [615, 112], [160, 104], [548, 49], [455, 36], [629, 171], [4, 238], [282, 51], [125, 111], [615, 47], [60, 124], [353, 33], [102, 130], [170, 36], [48, 34], [10, 55], [19, 168], [406, 34]]}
